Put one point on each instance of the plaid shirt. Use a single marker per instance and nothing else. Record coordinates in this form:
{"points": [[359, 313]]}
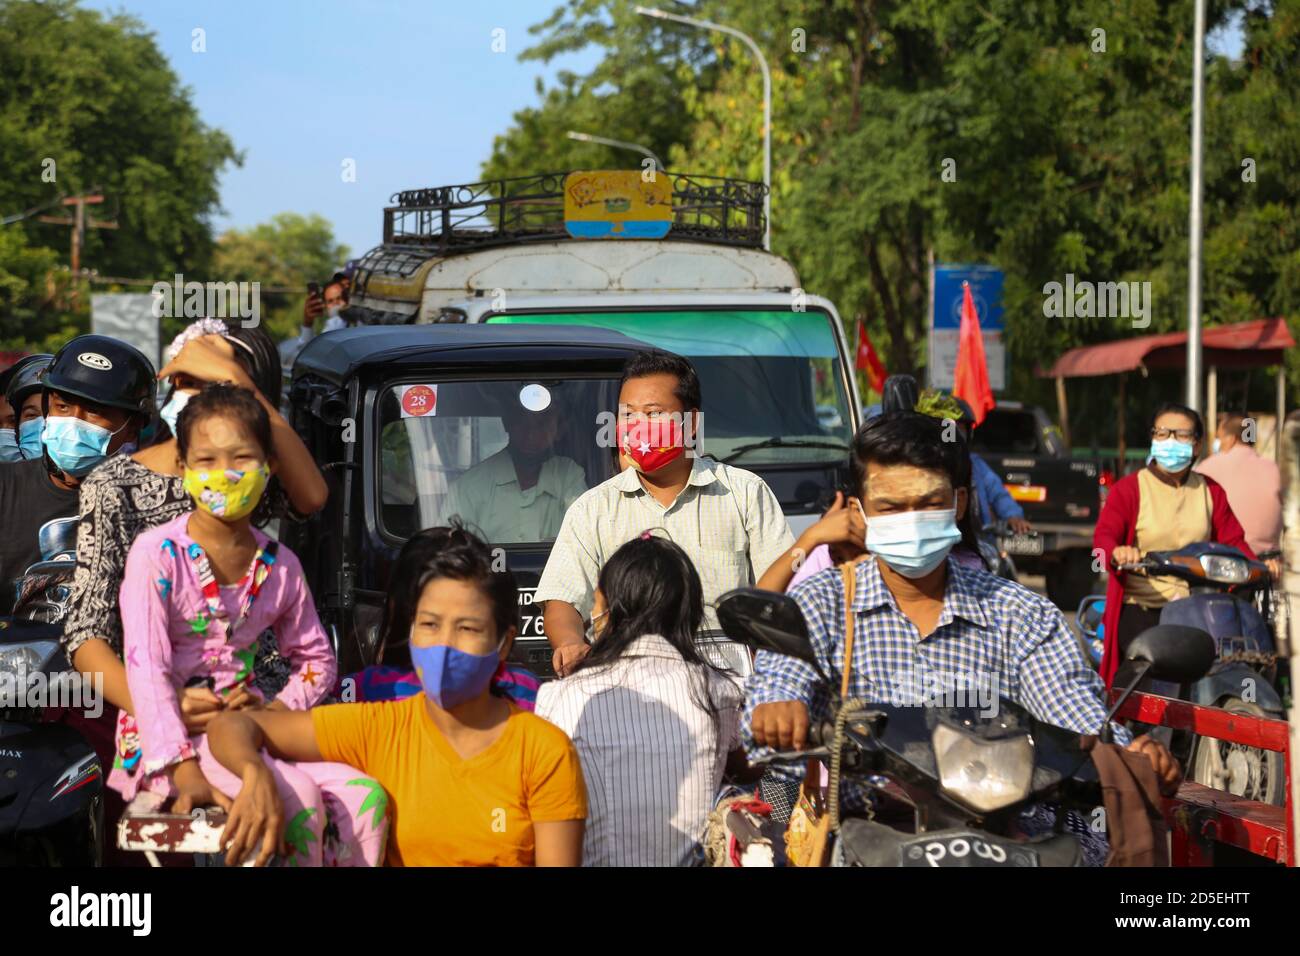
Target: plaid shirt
{"points": [[1003, 635]]}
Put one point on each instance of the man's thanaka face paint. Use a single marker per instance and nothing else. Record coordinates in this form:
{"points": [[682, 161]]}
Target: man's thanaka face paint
{"points": [[891, 489]]}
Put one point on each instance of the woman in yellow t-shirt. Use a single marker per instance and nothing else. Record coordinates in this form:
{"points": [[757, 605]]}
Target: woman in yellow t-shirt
{"points": [[468, 778]]}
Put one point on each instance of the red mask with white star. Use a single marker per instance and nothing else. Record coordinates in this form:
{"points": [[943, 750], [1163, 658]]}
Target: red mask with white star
{"points": [[635, 438]]}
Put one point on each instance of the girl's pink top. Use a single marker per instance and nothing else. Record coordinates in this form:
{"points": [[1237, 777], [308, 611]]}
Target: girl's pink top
{"points": [[171, 638]]}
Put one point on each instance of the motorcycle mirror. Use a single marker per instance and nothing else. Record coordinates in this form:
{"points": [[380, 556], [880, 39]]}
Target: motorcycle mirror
{"points": [[766, 621], [1168, 652], [900, 394], [1178, 654]]}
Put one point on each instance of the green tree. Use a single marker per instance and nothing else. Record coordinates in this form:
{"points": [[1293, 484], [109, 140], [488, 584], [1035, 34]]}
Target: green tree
{"points": [[638, 93], [1065, 150], [90, 101], [29, 286], [285, 253]]}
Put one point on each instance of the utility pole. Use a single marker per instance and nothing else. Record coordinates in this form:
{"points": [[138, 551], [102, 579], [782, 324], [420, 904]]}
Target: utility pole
{"points": [[1194, 216], [79, 223]]}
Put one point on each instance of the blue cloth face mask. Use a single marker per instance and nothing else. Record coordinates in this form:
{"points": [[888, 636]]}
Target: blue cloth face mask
{"points": [[171, 411], [29, 437], [913, 543], [9, 450], [451, 677], [1171, 454], [75, 446]]}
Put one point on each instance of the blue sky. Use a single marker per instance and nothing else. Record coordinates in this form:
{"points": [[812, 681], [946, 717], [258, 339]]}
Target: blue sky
{"points": [[409, 89]]}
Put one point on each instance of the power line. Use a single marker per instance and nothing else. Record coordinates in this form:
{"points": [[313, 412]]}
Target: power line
{"points": [[20, 216]]}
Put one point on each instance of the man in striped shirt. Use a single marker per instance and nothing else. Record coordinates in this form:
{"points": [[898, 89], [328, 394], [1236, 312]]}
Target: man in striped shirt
{"points": [[921, 620]]}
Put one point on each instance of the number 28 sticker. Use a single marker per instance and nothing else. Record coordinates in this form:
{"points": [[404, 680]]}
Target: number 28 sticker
{"points": [[418, 401]]}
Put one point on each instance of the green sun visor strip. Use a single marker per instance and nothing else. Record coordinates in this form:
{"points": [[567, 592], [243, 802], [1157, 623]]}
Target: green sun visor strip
{"points": [[709, 332]]}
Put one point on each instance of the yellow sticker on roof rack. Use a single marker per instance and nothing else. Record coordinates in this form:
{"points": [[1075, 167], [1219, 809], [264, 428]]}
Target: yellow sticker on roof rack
{"points": [[617, 204]]}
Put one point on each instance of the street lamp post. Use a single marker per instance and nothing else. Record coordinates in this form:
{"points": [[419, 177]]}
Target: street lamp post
{"points": [[767, 100], [617, 144], [1194, 218]]}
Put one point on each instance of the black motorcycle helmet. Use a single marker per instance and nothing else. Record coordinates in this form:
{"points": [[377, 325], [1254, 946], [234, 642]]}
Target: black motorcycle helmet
{"points": [[899, 394], [104, 370], [24, 377]]}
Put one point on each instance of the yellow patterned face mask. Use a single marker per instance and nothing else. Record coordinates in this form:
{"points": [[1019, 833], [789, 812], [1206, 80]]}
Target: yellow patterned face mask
{"points": [[225, 493]]}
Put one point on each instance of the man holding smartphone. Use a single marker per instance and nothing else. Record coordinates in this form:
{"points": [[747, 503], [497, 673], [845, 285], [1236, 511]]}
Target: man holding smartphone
{"points": [[330, 302]]}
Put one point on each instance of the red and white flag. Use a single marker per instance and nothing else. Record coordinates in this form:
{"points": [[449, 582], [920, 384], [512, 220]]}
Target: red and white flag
{"points": [[868, 361]]}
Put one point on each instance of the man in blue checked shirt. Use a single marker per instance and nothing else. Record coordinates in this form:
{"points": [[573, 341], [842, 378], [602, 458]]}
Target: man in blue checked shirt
{"points": [[923, 620]]}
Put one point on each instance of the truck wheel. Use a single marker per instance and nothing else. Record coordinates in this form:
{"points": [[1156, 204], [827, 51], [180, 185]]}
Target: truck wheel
{"points": [[1071, 579], [1245, 771]]}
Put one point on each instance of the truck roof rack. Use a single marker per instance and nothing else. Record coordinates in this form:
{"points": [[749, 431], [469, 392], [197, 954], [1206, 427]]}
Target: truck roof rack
{"points": [[444, 220]]}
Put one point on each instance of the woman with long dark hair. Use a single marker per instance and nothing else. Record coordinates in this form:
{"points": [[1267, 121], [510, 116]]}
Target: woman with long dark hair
{"points": [[394, 677], [652, 718]]}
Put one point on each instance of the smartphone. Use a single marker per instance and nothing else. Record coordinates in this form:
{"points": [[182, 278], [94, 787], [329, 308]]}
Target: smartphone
{"points": [[313, 288]]}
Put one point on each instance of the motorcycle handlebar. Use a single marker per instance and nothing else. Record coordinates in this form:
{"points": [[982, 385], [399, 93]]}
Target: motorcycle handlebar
{"points": [[818, 745], [1143, 565], [1002, 529]]}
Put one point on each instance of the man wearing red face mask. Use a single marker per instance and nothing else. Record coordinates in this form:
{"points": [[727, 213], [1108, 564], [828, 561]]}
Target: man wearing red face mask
{"points": [[726, 519]]}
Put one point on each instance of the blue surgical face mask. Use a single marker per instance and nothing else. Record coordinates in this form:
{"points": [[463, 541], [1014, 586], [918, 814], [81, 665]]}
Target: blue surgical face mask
{"points": [[1171, 454], [29, 437], [9, 450], [171, 411], [913, 543], [75, 446], [451, 677], [1217, 446]]}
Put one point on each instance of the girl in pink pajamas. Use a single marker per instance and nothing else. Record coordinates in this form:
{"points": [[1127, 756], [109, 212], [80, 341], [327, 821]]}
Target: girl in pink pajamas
{"points": [[198, 591]]}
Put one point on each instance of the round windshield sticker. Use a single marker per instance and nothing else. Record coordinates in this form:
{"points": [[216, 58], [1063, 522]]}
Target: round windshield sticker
{"points": [[419, 400], [535, 398], [94, 360]]}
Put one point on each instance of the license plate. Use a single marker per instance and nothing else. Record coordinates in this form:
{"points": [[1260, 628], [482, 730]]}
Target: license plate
{"points": [[963, 850], [1021, 544]]}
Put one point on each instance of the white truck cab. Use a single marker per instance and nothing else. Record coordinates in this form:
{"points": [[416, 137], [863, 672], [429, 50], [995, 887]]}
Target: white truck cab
{"points": [[779, 395]]}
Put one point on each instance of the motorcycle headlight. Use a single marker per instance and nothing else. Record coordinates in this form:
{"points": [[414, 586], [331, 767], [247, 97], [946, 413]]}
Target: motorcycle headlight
{"points": [[1225, 570], [32, 656], [985, 775]]}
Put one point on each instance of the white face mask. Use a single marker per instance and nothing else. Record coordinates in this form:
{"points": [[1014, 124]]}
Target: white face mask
{"points": [[1217, 446], [913, 543]]}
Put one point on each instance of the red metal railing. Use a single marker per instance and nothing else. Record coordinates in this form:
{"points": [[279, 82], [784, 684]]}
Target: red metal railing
{"points": [[1199, 816]]}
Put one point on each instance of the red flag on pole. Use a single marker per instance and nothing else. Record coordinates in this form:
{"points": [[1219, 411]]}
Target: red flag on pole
{"points": [[868, 361], [971, 378]]}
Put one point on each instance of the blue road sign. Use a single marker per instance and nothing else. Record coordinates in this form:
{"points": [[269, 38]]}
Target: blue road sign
{"points": [[945, 322], [986, 289]]}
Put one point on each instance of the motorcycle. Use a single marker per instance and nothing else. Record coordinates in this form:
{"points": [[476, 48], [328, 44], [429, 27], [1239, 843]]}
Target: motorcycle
{"points": [[51, 780], [967, 774], [1227, 592], [999, 543]]}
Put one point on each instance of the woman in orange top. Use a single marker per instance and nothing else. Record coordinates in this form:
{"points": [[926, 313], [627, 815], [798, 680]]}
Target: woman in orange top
{"points": [[468, 778]]}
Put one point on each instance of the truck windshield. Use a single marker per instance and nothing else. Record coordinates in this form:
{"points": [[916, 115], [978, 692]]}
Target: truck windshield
{"points": [[771, 381], [506, 457]]}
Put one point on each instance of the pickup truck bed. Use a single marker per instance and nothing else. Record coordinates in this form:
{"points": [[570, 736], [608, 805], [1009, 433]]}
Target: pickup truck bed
{"points": [[1061, 496]]}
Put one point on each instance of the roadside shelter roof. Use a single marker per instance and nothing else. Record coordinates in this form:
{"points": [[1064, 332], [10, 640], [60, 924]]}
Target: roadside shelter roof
{"points": [[1256, 344]]}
